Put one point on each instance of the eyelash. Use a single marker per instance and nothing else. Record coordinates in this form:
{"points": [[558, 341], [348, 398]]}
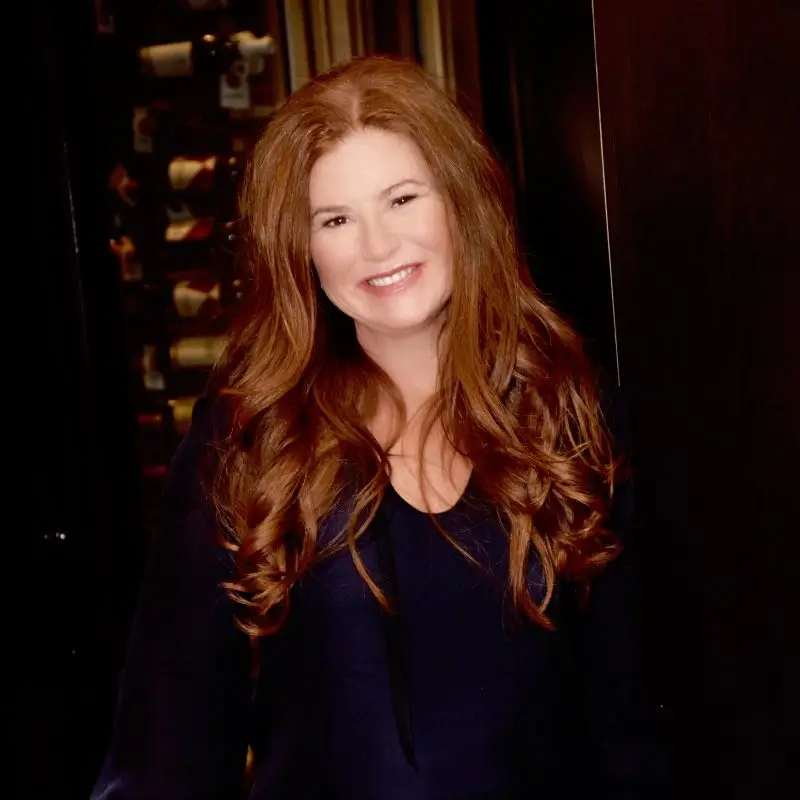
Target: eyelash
{"points": [[338, 221], [403, 199]]}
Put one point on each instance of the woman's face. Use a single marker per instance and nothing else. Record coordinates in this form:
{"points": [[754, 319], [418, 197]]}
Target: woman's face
{"points": [[379, 235]]}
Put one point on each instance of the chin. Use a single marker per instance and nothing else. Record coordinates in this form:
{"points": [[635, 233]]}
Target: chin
{"points": [[407, 325], [400, 321]]}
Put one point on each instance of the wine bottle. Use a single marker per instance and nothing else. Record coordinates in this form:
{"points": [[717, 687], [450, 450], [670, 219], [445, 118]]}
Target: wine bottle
{"points": [[210, 55], [196, 352], [178, 189], [125, 189], [193, 297], [191, 241], [186, 187], [149, 250], [227, 60], [199, 294], [182, 365], [162, 425], [187, 230], [128, 257], [213, 173], [170, 420], [192, 229]]}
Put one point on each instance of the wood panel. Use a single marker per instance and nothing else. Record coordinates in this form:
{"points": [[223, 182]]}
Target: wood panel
{"points": [[700, 132]]}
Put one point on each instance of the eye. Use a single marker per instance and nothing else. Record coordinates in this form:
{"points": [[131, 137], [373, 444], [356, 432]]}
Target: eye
{"points": [[403, 199], [334, 222]]}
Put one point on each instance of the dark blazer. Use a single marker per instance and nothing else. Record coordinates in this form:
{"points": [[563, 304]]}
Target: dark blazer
{"points": [[455, 697]]}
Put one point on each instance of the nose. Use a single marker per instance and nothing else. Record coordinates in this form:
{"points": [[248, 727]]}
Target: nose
{"points": [[378, 240]]}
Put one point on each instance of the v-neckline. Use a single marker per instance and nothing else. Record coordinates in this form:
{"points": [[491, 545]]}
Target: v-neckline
{"points": [[459, 503]]}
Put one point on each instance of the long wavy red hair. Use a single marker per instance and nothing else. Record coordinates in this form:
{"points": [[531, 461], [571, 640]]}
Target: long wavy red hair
{"points": [[517, 396]]}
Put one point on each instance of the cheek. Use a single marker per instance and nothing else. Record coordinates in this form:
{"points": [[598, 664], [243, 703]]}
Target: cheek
{"points": [[328, 261], [435, 233]]}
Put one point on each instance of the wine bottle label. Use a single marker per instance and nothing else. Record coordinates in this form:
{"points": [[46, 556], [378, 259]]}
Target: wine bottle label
{"points": [[193, 174], [151, 376], [234, 87], [182, 408], [189, 230], [195, 298], [254, 50], [167, 60], [143, 127], [196, 351]]}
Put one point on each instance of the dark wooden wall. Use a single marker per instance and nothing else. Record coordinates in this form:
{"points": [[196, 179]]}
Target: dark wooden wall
{"points": [[676, 249], [75, 555], [540, 114], [700, 127]]}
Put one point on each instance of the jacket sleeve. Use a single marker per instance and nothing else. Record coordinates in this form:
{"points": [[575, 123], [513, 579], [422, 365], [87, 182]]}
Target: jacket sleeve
{"points": [[629, 743], [182, 712]]}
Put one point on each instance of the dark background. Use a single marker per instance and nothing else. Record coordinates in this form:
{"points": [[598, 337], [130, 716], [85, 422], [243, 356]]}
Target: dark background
{"points": [[700, 129], [698, 183], [674, 248]]}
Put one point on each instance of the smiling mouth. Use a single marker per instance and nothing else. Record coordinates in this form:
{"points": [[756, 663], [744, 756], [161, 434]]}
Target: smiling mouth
{"points": [[397, 275]]}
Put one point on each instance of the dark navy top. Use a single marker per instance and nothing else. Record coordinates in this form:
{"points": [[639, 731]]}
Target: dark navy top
{"points": [[454, 697]]}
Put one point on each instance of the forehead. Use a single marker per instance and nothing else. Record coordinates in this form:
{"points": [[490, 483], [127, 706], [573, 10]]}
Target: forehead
{"points": [[365, 163]]}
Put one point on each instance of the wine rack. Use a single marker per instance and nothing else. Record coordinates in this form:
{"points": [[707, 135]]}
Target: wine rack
{"points": [[194, 85], [188, 86]]}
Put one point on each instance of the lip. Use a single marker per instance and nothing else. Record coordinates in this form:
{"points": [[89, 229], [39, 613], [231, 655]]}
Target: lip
{"points": [[394, 288]]}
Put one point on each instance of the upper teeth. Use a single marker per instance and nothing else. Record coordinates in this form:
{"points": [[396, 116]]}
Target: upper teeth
{"points": [[393, 278]]}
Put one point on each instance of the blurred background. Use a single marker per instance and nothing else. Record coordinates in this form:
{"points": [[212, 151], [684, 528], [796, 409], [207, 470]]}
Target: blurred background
{"points": [[653, 151]]}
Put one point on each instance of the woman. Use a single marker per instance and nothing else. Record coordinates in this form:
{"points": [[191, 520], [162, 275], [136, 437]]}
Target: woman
{"points": [[406, 579]]}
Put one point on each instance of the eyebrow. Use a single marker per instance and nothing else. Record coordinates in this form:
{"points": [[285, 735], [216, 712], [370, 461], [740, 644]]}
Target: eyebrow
{"points": [[383, 193]]}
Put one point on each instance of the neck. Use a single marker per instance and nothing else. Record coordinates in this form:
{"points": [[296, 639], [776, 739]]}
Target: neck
{"points": [[410, 359]]}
